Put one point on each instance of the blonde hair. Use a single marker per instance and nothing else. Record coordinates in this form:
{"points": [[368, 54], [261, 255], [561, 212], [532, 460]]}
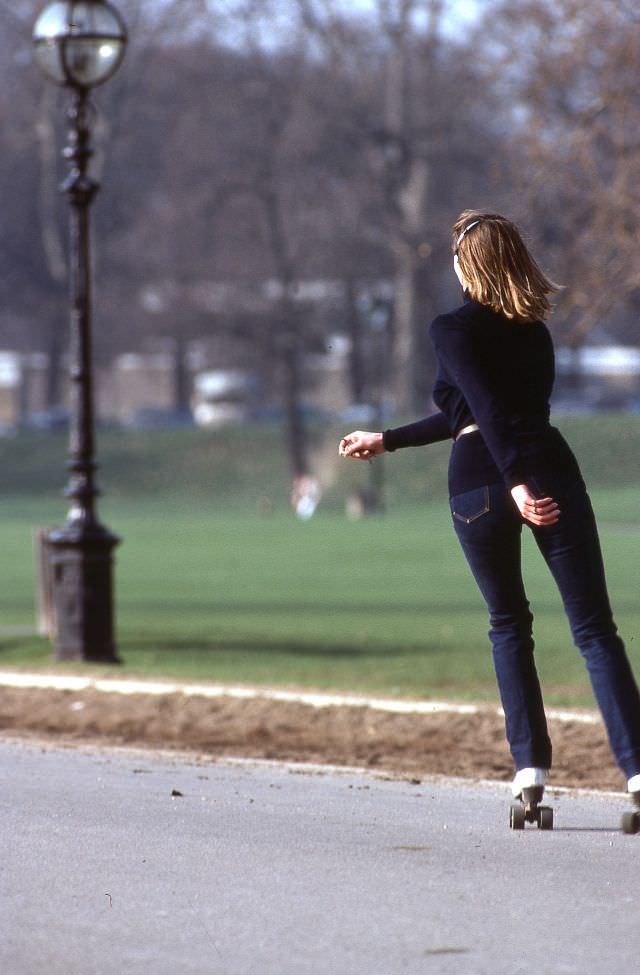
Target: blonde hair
{"points": [[498, 269]]}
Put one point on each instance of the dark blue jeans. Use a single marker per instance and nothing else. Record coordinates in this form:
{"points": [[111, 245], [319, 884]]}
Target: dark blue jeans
{"points": [[489, 528]]}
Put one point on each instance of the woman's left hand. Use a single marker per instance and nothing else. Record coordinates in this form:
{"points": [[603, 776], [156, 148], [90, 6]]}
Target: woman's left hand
{"points": [[537, 511], [361, 444]]}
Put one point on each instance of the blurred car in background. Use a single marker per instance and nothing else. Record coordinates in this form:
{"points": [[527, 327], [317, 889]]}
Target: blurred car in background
{"points": [[222, 397], [158, 418], [55, 418]]}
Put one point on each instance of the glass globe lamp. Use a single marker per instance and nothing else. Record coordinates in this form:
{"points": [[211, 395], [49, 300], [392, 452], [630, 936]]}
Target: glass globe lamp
{"points": [[79, 44]]}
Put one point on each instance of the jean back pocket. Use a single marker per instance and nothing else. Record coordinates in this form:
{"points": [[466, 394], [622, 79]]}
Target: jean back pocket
{"points": [[471, 505]]}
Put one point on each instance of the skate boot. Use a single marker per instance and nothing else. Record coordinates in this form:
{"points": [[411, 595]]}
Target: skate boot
{"points": [[528, 789], [631, 820]]}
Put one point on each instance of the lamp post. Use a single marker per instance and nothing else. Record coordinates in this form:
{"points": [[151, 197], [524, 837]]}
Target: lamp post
{"points": [[79, 45]]}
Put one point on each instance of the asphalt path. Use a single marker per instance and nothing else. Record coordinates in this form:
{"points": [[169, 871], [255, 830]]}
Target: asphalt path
{"points": [[273, 870]]}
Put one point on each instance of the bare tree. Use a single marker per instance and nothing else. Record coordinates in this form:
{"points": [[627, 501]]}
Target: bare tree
{"points": [[567, 74], [420, 123], [234, 153]]}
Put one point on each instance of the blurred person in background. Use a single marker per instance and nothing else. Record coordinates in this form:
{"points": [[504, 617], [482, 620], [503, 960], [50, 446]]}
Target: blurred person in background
{"points": [[510, 467]]}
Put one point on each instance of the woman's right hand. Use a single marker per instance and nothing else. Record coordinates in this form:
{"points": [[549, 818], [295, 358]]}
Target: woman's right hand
{"points": [[537, 511], [361, 444]]}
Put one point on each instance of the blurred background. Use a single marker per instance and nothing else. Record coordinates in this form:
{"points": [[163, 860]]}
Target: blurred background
{"points": [[270, 242]]}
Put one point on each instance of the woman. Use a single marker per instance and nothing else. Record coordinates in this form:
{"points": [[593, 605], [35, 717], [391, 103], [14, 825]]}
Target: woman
{"points": [[508, 466]]}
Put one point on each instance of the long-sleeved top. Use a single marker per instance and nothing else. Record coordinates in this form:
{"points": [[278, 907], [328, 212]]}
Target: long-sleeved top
{"points": [[496, 373]]}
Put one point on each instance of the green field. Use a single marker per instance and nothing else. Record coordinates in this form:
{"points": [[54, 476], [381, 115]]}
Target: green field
{"points": [[209, 586]]}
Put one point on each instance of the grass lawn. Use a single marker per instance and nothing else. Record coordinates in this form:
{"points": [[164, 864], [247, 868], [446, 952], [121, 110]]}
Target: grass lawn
{"points": [[209, 588]]}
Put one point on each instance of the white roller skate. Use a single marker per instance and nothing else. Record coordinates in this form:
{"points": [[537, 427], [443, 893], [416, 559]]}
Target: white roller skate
{"points": [[528, 789], [631, 820]]}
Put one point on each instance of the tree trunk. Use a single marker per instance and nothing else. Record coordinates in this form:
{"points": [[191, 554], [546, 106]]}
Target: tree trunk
{"points": [[357, 355], [296, 443], [423, 362], [181, 379], [54, 333], [292, 352], [410, 375], [54, 353]]}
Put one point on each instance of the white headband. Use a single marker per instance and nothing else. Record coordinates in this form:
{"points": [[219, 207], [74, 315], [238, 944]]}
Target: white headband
{"points": [[466, 231]]}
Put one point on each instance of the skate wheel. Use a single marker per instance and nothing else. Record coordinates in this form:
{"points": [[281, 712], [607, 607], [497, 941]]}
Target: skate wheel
{"points": [[517, 816], [545, 817], [630, 822]]}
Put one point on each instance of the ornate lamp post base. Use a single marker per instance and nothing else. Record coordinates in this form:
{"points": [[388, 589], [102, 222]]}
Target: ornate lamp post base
{"points": [[81, 567]]}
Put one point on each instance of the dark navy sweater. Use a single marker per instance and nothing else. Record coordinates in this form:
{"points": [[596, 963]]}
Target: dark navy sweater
{"points": [[499, 374]]}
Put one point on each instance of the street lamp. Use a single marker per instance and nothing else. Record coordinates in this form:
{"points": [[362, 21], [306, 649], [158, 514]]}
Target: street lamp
{"points": [[80, 45]]}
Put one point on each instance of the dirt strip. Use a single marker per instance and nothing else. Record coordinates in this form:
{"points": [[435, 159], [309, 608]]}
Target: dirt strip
{"points": [[415, 745]]}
